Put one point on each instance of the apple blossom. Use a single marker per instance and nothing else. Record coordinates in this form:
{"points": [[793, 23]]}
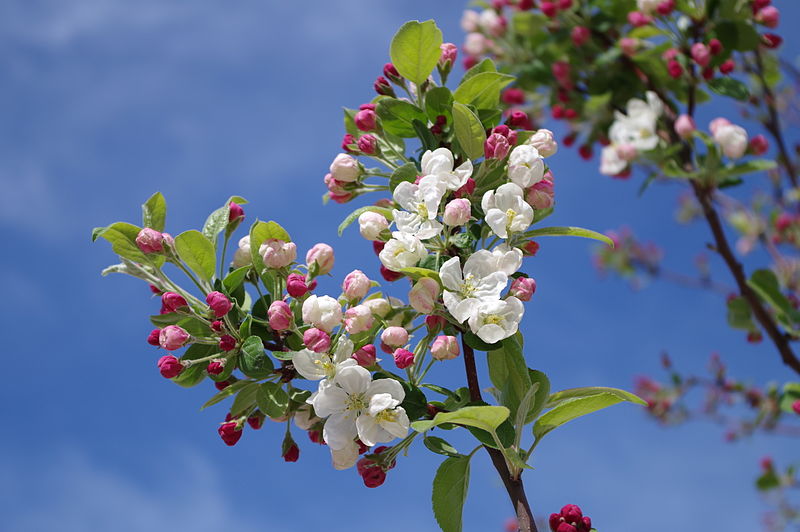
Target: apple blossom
{"points": [[495, 320], [379, 306], [317, 340], [457, 212], [525, 166], [402, 251], [242, 256], [323, 312], [479, 281], [445, 348], [173, 337], [280, 315], [507, 259], [323, 255], [277, 253], [440, 162], [345, 168], [316, 366], [372, 224], [346, 457], [152, 338], [403, 358], [421, 204], [423, 295], [544, 142], [356, 285], [506, 210], [394, 336], [491, 22], [358, 319]]}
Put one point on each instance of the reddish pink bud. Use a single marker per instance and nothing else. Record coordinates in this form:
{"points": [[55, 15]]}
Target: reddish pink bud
{"points": [[513, 96], [172, 301], [467, 189], [256, 421], [566, 527], [766, 463], [769, 16], [382, 87], [585, 152], [523, 288], [637, 18], [629, 45], [152, 338], [782, 222], [156, 290], [219, 303], [701, 54], [525, 5], [496, 146], [296, 285], [554, 521], [517, 119], [569, 140], [230, 432], [169, 366], [530, 248], [587, 523], [771, 40], [561, 71], [754, 337], [502, 129], [796, 407], [564, 4], [714, 46], [570, 114], [323, 255], [150, 241], [347, 143], [390, 71], [758, 4], [227, 342], [216, 326], [727, 66], [434, 323], [557, 111], [388, 274], [316, 437], [665, 8], [317, 340], [403, 358], [368, 144], [759, 145], [235, 212], [292, 453], [549, 9], [215, 367], [221, 385], [366, 120], [374, 477], [449, 55], [674, 69], [365, 356], [280, 315], [571, 513], [580, 35], [173, 337], [469, 62]]}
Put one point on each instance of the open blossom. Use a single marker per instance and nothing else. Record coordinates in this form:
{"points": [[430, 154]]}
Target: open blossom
{"points": [[475, 44], [357, 406], [507, 259], [242, 256], [345, 168], [610, 161], [423, 295], [277, 253], [345, 458], [402, 251], [525, 166], [316, 366], [323, 312], [638, 126], [440, 162], [479, 281], [544, 142], [358, 319], [421, 204], [506, 210], [372, 224], [323, 255], [493, 321], [732, 139]]}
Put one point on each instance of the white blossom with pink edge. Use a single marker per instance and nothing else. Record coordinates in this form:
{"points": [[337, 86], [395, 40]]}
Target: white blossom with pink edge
{"points": [[506, 210], [421, 204]]}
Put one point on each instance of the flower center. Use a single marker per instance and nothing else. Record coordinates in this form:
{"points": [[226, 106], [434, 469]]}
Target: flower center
{"points": [[356, 402], [510, 215], [422, 210], [493, 319], [468, 288], [386, 416]]}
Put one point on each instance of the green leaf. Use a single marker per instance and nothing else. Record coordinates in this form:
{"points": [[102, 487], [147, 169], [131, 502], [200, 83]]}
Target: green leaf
{"points": [[272, 399], [588, 391], [541, 395], [469, 131], [235, 279], [440, 446], [569, 409], [439, 102], [353, 216], [254, 362], [416, 274], [244, 400], [227, 392], [427, 139], [756, 165], [569, 231], [741, 36], [197, 252], [450, 487], [733, 88], [509, 373], [407, 172], [789, 394], [487, 65], [765, 283], [739, 314], [154, 212], [486, 418], [397, 117], [482, 90], [194, 374], [122, 237], [415, 50], [216, 222]]}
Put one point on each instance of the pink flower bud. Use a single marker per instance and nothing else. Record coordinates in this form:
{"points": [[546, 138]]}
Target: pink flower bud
{"points": [[235, 212], [277, 253], [169, 366], [544, 142], [403, 358], [585, 152], [366, 120], [317, 340], [523, 288], [570, 114], [383, 87], [358, 319], [227, 342], [629, 46], [701, 54], [292, 454], [345, 168], [152, 338], [580, 35], [685, 126], [549, 9], [517, 119], [769, 16], [368, 144], [322, 254], [365, 356], [665, 8], [173, 337], [280, 315], [571, 513], [172, 302], [445, 348], [541, 195], [216, 326], [513, 96], [348, 141], [715, 46], [638, 19], [230, 432], [372, 224], [423, 295], [759, 145], [627, 152], [674, 69], [727, 66], [496, 146], [717, 123], [796, 407], [356, 285], [296, 285], [449, 55], [394, 336], [561, 71], [435, 323], [457, 212], [215, 367], [467, 189], [150, 241], [219, 303]]}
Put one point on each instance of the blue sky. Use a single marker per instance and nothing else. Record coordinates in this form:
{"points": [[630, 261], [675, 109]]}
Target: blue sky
{"points": [[105, 101]]}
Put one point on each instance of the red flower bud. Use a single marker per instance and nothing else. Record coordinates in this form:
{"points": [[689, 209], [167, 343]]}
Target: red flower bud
{"points": [[513, 96], [366, 120], [467, 189], [549, 9], [382, 87], [227, 342], [403, 358], [796, 407], [580, 35], [347, 143], [296, 285], [714, 46], [256, 421], [152, 338], [435, 323], [585, 152], [759, 145], [727, 66], [215, 367], [570, 114], [235, 213], [674, 69], [771, 40], [230, 432], [292, 453], [390, 71], [377, 246], [219, 303], [173, 301], [169, 366], [517, 119], [665, 8], [221, 385], [390, 275]]}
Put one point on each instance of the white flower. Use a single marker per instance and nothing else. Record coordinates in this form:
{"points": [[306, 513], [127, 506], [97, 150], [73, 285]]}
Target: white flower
{"points": [[469, 20], [242, 257], [316, 366], [480, 281], [732, 139], [610, 161], [305, 418], [496, 320], [378, 306], [544, 141], [506, 210], [491, 22], [508, 259], [422, 205], [402, 251], [345, 458], [439, 162], [648, 6], [638, 126], [372, 224], [345, 168], [475, 44], [323, 312], [525, 166], [356, 406]]}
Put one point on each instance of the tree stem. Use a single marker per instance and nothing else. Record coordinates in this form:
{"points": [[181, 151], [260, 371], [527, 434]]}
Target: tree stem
{"points": [[514, 486]]}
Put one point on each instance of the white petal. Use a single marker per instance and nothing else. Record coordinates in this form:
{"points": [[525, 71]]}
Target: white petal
{"points": [[353, 380], [343, 351], [465, 309], [399, 427], [491, 333], [406, 195], [497, 222], [437, 161], [380, 402], [329, 400], [345, 458], [390, 386], [340, 430], [370, 432], [310, 364], [450, 274]]}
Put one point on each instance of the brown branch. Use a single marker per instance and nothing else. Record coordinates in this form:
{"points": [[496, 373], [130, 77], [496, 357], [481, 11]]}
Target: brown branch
{"points": [[514, 486]]}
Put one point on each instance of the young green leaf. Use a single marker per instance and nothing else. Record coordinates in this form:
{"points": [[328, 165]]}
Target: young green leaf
{"points": [[766, 285], [216, 223], [227, 392], [487, 418], [439, 102], [415, 50], [569, 231], [254, 362], [235, 279], [272, 399], [154, 212], [397, 117], [407, 172], [122, 237], [588, 391], [469, 131], [353, 216], [439, 446], [733, 88], [509, 373], [450, 487], [197, 252], [567, 410], [244, 400], [482, 90]]}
